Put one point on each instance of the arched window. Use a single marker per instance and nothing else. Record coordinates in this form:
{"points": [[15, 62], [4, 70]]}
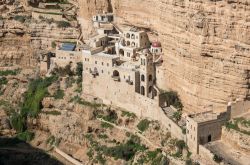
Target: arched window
{"points": [[116, 73], [121, 52], [142, 78], [155, 92], [128, 35], [133, 44], [128, 43], [132, 36], [150, 78], [142, 90], [150, 89]]}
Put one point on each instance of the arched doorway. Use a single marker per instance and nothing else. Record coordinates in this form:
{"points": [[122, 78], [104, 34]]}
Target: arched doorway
{"points": [[142, 90], [116, 73], [142, 78], [121, 52], [128, 35], [132, 36], [128, 43], [150, 77]]}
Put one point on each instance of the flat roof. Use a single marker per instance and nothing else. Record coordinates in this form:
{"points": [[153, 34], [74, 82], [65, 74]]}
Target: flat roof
{"points": [[204, 116], [68, 47], [102, 54]]}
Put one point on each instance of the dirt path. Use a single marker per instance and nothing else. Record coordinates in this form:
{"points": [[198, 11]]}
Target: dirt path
{"points": [[136, 132]]}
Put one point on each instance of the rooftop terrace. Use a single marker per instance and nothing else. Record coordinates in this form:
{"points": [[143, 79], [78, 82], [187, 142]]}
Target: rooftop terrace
{"points": [[204, 116]]}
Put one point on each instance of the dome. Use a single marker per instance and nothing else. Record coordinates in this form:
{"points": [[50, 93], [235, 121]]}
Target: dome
{"points": [[156, 44]]}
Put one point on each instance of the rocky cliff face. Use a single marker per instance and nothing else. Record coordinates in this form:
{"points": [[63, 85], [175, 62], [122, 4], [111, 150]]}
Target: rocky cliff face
{"points": [[206, 45], [23, 38]]}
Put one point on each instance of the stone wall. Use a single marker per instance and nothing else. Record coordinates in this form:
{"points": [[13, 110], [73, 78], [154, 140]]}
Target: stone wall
{"points": [[36, 15], [206, 44], [206, 155], [238, 108], [123, 95], [236, 139]]}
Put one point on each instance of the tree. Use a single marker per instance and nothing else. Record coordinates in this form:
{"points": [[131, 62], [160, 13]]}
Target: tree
{"points": [[79, 69]]}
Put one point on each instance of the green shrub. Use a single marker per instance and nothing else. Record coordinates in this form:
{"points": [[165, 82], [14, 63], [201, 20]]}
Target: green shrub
{"points": [[90, 153], [59, 94], [9, 72], [143, 125], [63, 24], [78, 100], [151, 155], [180, 144], [3, 81], [20, 18], [111, 116], [124, 151], [62, 72], [36, 92], [79, 69], [177, 115], [51, 140], [56, 113], [25, 136], [128, 114], [18, 122], [103, 136], [100, 159], [53, 44], [217, 158], [178, 154], [172, 98], [106, 125]]}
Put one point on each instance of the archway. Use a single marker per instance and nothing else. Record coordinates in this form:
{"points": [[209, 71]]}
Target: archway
{"points": [[142, 90], [150, 78], [150, 89], [116, 73], [132, 36], [121, 52], [128, 43], [128, 35], [142, 78]]}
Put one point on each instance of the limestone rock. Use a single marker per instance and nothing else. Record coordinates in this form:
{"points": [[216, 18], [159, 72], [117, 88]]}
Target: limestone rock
{"points": [[48, 102], [206, 45]]}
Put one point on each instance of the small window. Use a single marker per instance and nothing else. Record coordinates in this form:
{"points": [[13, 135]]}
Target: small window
{"points": [[102, 71], [128, 54], [102, 63], [107, 64], [95, 62]]}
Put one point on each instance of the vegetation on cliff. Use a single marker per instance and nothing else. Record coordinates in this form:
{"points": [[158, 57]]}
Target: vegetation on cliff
{"points": [[31, 106], [172, 98]]}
